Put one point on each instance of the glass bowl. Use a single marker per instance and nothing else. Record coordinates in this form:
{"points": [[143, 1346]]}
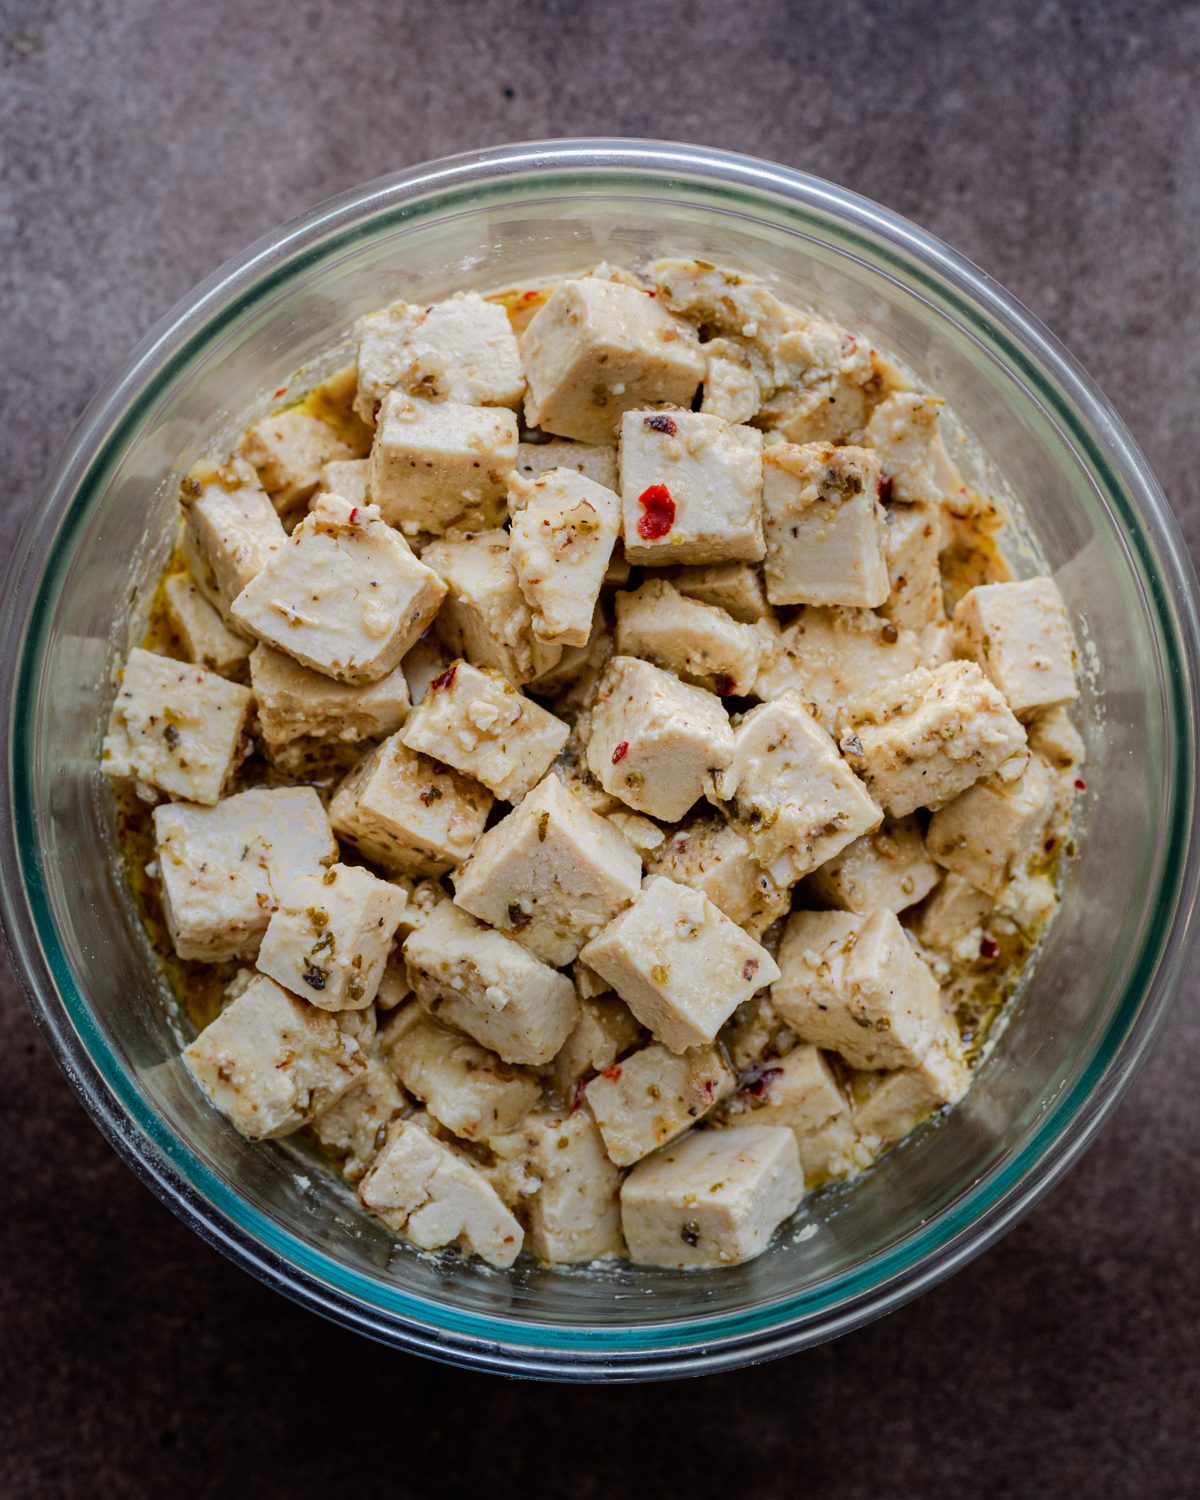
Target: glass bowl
{"points": [[98, 537]]}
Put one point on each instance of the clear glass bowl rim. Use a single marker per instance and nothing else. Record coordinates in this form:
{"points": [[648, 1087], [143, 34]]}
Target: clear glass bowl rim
{"points": [[523, 1346]]}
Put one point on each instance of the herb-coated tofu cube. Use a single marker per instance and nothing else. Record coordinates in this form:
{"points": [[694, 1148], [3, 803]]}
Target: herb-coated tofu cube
{"points": [[912, 538], [1056, 740], [605, 1030], [826, 372], [574, 1213], [735, 587], [993, 826], [490, 986], [713, 1199], [824, 526], [466, 1088], [731, 388], [698, 642], [799, 1091], [230, 529], [598, 348], [175, 726], [346, 596], [353, 1129], [407, 813], [289, 450], [924, 739], [653, 1096], [795, 798], [1020, 635], [346, 477], [564, 528], [438, 466], [224, 869], [205, 637], [655, 741], [679, 963], [595, 461], [952, 925], [887, 870], [552, 873], [887, 1106], [903, 431], [857, 986], [713, 856], [691, 489], [270, 1062], [300, 707], [477, 722]]}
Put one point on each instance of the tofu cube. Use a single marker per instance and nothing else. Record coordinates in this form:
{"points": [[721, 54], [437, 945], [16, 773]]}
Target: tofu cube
{"points": [[698, 642], [270, 1063], [856, 986], [203, 634], [912, 538], [553, 873], [921, 741], [656, 742], [176, 727], [490, 986], [994, 826], [346, 477], [735, 587], [714, 857], [1020, 635], [795, 798], [731, 388], [595, 461], [298, 707], [799, 1092], [289, 450], [466, 1088], [346, 597], [353, 1129], [691, 489], [407, 812], [605, 1030], [653, 1096], [952, 924], [424, 661], [903, 431], [224, 869], [574, 1214], [888, 870], [564, 528], [713, 1199], [230, 530], [888, 1105], [439, 466], [824, 526], [679, 963], [598, 348], [1056, 740]]}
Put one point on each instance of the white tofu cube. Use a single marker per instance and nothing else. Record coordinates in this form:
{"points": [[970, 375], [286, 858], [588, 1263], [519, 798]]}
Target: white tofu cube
{"points": [[176, 727], [713, 856], [735, 587], [289, 450], [298, 707], [698, 642], [731, 388], [347, 596], [1020, 635], [598, 348], [270, 1062], [652, 1096], [888, 870], [643, 834], [994, 826], [346, 477], [552, 873], [903, 431], [799, 1092], [424, 661], [912, 538], [691, 489], [595, 461], [888, 1105], [679, 963], [713, 1199], [1056, 740], [574, 1213], [203, 634], [230, 530], [353, 1129], [952, 925], [563, 531], [605, 1030], [466, 1088]]}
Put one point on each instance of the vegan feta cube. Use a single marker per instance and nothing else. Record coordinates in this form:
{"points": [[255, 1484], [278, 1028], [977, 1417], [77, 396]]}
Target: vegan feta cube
{"points": [[888, 1105], [735, 587], [289, 450], [1020, 635], [698, 642], [465, 1088], [993, 826], [574, 1213], [652, 1096], [346, 477], [952, 925], [888, 870], [1056, 740], [799, 1091], [205, 637], [606, 1030], [230, 530], [353, 1128], [731, 388], [595, 461], [912, 538], [563, 531], [713, 856], [903, 431], [297, 706]]}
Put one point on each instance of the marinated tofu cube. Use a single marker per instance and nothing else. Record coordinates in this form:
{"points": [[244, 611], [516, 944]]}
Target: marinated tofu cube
{"points": [[297, 706], [653, 1096], [826, 372], [439, 466], [912, 538], [598, 348], [952, 925], [289, 450], [735, 587], [466, 1088], [490, 986], [993, 827], [606, 1030], [800, 1092], [1056, 740], [595, 461], [394, 988], [574, 1213], [552, 873], [937, 644], [795, 798], [224, 869], [1020, 635], [353, 1129], [564, 528], [857, 986], [205, 637], [888, 1105], [431, 1194], [888, 870], [824, 526], [407, 812], [698, 642], [644, 834], [656, 742], [691, 489], [347, 596], [230, 530], [427, 659], [330, 937], [713, 856], [346, 477], [903, 431], [731, 388], [679, 963], [271, 1063], [924, 739], [713, 1199], [175, 727]]}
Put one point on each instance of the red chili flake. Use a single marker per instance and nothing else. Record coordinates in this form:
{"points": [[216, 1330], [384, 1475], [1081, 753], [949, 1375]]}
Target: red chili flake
{"points": [[660, 422], [1080, 786], [989, 948], [444, 679], [282, 391], [529, 296], [885, 487], [577, 1097], [354, 516], [758, 1081], [612, 1074], [749, 969], [659, 513], [620, 752], [726, 687], [649, 293], [1049, 845]]}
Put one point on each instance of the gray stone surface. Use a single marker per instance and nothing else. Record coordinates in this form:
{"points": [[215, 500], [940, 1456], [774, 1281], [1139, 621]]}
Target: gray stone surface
{"points": [[140, 144]]}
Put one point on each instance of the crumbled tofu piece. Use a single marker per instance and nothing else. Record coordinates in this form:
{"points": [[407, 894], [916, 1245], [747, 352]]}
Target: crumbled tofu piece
{"points": [[1056, 740], [563, 531], [605, 1030], [347, 596], [887, 870], [731, 388], [698, 642], [230, 530], [798, 1091], [408, 813], [461, 350], [713, 1199], [903, 430], [656, 742], [176, 727], [794, 797], [735, 587], [431, 1194], [713, 856], [202, 632], [889, 1105], [679, 963], [346, 477], [330, 936], [652, 1096], [993, 826], [921, 741], [597, 349], [353, 1128], [1020, 635], [824, 526], [912, 538], [552, 873], [691, 489], [595, 461], [574, 1212], [643, 834], [466, 1088], [270, 1062], [289, 450], [857, 986], [299, 706], [490, 986]]}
